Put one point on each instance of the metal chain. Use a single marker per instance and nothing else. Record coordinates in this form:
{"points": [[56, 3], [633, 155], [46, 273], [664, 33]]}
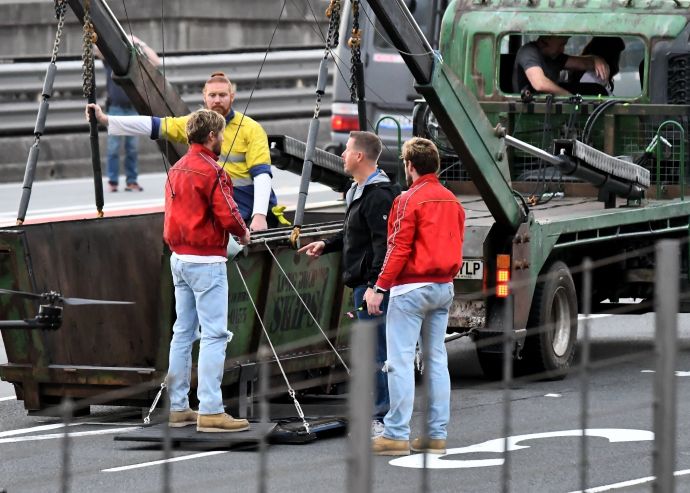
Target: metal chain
{"points": [[291, 391], [333, 13], [317, 106], [305, 305], [354, 43], [87, 52], [147, 419], [60, 8]]}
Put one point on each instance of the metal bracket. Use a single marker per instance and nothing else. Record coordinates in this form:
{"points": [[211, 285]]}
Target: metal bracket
{"points": [[245, 404]]}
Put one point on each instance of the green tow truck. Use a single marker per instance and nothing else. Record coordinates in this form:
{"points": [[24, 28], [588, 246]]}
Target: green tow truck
{"points": [[537, 174]]}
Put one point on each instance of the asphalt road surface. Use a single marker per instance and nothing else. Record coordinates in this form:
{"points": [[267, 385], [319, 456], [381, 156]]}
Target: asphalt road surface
{"points": [[544, 456]]}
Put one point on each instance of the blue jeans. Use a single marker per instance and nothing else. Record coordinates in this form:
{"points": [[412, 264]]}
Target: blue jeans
{"points": [[201, 298], [113, 152], [381, 400], [423, 310]]}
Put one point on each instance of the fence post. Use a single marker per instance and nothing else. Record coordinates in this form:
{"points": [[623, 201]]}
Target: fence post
{"points": [[67, 411], [167, 439], [263, 356], [666, 302], [508, 347], [584, 368], [362, 347]]}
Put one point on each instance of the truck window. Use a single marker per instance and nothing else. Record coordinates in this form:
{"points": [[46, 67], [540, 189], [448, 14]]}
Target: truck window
{"points": [[623, 54]]}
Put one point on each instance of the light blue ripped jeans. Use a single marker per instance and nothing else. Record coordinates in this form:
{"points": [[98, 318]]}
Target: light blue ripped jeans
{"points": [[201, 298], [423, 310]]}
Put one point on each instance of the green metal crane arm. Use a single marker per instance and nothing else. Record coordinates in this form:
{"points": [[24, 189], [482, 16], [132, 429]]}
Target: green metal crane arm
{"points": [[458, 112], [149, 92]]}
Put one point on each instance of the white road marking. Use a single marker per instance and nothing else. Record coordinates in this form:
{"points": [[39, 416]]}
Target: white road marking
{"points": [[678, 373], [10, 398], [163, 461], [497, 445], [553, 395], [625, 484], [24, 431], [53, 436]]}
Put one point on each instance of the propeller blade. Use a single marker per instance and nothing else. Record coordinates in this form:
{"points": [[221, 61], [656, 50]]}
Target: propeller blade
{"points": [[85, 301], [21, 293]]}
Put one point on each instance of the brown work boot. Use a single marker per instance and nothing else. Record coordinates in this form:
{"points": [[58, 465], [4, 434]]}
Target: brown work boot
{"points": [[178, 419], [386, 446], [430, 446], [220, 423]]}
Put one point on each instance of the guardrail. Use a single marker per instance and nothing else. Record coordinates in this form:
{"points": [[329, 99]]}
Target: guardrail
{"points": [[285, 88]]}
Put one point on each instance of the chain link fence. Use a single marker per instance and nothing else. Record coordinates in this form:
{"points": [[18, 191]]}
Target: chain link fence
{"points": [[356, 462]]}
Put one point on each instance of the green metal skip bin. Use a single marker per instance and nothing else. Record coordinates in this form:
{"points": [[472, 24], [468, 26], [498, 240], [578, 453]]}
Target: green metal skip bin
{"points": [[102, 348]]}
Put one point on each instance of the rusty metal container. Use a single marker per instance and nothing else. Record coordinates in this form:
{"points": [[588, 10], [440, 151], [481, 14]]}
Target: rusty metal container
{"points": [[102, 348]]}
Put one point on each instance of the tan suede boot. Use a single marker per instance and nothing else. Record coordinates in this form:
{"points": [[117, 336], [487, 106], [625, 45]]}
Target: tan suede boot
{"points": [[220, 423], [385, 446], [178, 419], [430, 446]]}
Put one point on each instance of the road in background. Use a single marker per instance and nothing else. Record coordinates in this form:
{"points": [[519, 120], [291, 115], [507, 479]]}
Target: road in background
{"points": [[546, 460], [75, 197]]}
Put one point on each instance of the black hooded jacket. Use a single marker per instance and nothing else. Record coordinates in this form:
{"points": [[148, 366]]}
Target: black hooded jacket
{"points": [[364, 234]]}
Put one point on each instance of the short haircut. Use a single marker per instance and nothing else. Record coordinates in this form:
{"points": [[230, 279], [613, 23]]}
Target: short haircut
{"points": [[368, 143], [219, 77], [423, 155], [201, 123]]}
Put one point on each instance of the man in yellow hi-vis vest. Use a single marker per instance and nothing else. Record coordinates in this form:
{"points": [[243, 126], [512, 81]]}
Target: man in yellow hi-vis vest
{"points": [[244, 156]]}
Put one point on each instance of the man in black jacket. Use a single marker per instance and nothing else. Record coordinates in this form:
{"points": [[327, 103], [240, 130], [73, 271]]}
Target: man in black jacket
{"points": [[363, 243]]}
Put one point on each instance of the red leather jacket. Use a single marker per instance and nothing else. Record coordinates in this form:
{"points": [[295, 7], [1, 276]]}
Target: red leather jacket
{"points": [[200, 212], [425, 233]]}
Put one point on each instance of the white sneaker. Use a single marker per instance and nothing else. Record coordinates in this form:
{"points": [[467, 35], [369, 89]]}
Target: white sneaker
{"points": [[376, 428]]}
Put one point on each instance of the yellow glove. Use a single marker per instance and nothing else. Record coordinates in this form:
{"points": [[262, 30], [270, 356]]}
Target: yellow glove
{"points": [[278, 211]]}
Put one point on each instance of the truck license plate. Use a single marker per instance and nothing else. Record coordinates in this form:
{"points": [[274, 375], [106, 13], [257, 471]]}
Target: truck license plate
{"points": [[471, 269]]}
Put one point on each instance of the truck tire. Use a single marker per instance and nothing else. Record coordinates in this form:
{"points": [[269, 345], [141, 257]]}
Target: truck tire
{"points": [[491, 364], [552, 325]]}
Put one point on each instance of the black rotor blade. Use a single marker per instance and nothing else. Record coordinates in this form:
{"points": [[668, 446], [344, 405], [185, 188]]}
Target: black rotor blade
{"points": [[85, 301], [21, 293]]}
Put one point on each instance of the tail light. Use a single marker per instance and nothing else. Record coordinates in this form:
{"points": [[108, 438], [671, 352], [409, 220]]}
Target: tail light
{"points": [[344, 117], [502, 276]]}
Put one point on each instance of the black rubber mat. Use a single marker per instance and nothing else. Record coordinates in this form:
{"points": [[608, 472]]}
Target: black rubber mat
{"points": [[284, 431], [189, 435]]}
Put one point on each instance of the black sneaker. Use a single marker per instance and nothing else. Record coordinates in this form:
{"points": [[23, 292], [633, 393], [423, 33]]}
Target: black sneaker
{"points": [[133, 187]]}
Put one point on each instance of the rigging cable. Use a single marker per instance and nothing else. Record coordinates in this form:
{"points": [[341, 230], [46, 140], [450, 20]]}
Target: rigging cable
{"points": [[39, 128], [291, 391], [163, 154], [306, 307], [333, 12], [339, 62], [256, 82]]}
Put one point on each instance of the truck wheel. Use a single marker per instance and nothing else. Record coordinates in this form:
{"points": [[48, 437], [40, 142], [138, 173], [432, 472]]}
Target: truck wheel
{"points": [[552, 325], [491, 364]]}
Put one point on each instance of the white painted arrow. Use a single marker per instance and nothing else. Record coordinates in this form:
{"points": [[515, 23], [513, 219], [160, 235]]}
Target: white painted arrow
{"points": [[434, 461]]}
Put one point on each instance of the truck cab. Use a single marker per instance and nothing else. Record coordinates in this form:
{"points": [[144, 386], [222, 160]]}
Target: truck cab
{"points": [[531, 222]]}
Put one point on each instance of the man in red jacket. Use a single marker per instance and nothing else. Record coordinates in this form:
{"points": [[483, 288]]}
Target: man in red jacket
{"points": [[425, 234], [200, 214]]}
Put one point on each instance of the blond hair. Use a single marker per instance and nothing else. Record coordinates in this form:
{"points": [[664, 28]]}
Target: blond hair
{"points": [[423, 155], [201, 123]]}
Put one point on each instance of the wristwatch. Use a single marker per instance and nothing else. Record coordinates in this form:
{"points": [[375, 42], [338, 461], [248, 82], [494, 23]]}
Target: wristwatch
{"points": [[379, 290]]}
